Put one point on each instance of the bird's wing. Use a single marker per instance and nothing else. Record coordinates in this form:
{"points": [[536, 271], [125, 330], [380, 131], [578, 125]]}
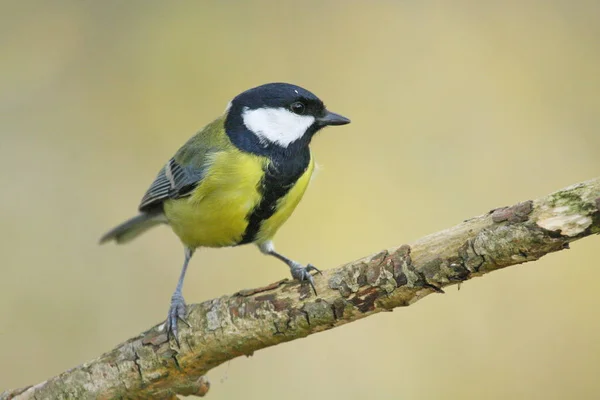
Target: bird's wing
{"points": [[172, 182], [184, 172]]}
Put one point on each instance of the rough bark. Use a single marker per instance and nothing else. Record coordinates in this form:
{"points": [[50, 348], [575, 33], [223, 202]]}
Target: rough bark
{"points": [[151, 366]]}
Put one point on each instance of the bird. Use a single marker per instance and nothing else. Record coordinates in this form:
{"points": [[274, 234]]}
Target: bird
{"points": [[236, 181]]}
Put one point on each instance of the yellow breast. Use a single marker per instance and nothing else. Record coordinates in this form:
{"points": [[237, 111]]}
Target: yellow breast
{"points": [[285, 206], [216, 214]]}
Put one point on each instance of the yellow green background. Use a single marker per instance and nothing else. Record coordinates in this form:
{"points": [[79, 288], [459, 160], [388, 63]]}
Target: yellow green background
{"points": [[457, 107]]}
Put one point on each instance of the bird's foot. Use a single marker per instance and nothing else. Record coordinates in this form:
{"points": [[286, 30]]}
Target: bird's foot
{"points": [[302, 273], [177, 311]]}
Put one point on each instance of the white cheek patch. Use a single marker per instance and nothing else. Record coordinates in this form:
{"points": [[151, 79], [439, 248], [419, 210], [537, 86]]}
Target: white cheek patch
{"points": [[277, 125]]}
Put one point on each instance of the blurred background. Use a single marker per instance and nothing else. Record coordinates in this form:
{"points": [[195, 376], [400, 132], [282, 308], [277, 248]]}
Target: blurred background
{"points": [[456, 107]]}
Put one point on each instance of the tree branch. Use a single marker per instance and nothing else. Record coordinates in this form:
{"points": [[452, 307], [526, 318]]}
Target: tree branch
{"points": [[150, 365]]}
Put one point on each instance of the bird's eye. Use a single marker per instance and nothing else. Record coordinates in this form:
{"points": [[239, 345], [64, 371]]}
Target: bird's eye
{"points": [[298, 107]]}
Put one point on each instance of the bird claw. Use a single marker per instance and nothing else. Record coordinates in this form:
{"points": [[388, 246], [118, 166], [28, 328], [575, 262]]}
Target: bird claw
{"points": [[302, 273], [177, 311], [311, 267]]}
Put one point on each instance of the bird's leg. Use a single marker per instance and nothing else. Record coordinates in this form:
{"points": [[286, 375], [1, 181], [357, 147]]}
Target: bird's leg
{"points": [[299, 271], [177, 310]]}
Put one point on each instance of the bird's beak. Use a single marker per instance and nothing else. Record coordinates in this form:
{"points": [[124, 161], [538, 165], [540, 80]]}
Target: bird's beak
{"points": [[331, 118]]}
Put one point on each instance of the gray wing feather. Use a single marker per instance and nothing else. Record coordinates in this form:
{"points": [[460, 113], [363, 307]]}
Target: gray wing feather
{"points": [[172, 182]]}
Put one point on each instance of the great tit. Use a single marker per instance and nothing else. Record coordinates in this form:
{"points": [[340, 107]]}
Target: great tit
{"points": [[237, 180]]}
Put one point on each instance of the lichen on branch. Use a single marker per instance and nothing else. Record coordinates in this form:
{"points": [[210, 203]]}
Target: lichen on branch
{"points": [[152, 366]]}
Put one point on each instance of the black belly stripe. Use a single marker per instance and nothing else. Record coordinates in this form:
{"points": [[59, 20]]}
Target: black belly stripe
{"points": [[278, 180]]}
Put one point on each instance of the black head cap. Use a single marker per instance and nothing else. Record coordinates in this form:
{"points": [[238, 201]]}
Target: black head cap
{"points": [[285, 98], [278, 95]]}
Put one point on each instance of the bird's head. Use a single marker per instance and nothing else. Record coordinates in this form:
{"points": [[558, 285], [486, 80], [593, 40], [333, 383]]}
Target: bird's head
{"points": [[277, 117]]}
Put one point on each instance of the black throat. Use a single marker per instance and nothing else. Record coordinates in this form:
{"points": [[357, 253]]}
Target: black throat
{"points": [[286, 165]]}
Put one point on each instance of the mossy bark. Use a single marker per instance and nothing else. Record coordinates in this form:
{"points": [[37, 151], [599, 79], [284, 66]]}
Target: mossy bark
{"points": [[151, 366]]}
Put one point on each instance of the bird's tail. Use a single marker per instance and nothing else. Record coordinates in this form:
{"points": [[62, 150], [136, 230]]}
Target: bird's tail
{"points": [[134, 227]]}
